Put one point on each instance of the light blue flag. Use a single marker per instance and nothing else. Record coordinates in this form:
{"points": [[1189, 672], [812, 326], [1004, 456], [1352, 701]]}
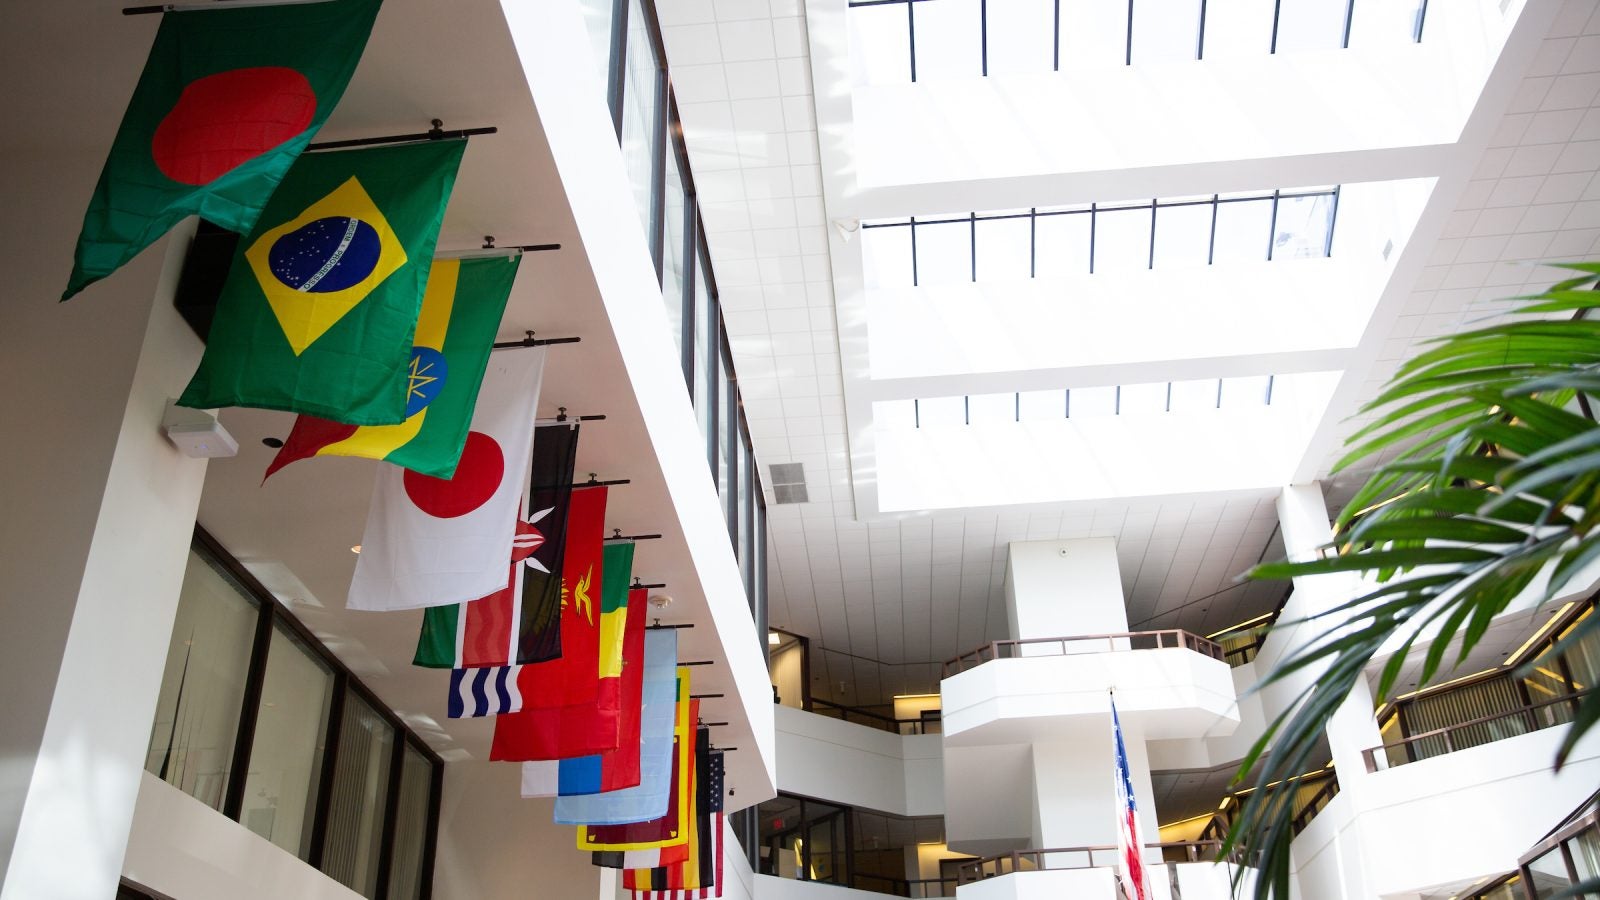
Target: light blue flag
{"points": [[649, 799]]}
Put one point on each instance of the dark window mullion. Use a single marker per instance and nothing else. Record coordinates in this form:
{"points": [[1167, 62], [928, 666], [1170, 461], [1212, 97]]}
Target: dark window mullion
{"points": [[1200, 41], [431, 836], [1272, 230], [330, 757], [617, 71], [391, 808], [713, 383], [249, 710], [911, 28], [658, 174], [691, 242]]}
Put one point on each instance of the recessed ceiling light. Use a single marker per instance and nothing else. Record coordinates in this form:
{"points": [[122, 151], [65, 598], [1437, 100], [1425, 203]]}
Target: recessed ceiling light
{"points": [[774, 638], [356, 549]]}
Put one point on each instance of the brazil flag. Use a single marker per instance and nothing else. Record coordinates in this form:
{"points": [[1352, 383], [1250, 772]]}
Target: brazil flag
{"points": [[227, 100], [320, 306], [461, 311]]}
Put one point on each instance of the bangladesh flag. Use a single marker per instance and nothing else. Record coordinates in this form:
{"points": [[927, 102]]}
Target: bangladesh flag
{"points": [[461, 311], [320, 308], [227, 100]]}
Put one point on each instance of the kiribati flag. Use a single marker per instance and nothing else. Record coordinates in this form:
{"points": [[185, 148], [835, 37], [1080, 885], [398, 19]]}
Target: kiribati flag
{"points": [[484, 692], [228, 98], [1130, 840]]}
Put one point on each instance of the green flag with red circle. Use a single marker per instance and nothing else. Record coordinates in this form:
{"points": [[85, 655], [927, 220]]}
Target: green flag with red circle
{"points": [[227, 100]]}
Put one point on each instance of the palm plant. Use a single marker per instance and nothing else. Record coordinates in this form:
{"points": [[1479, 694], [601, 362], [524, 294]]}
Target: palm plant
{"points": [[1493, 475]]}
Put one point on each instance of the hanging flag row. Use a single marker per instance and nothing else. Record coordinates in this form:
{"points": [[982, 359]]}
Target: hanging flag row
{"points": [[335, 308]]}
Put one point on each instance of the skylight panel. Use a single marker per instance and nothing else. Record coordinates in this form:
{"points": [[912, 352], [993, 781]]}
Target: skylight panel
{"points": [[1183, 236], [1061, 245], [1004, 245], [941, 412], [1020, 38], [880, 44], [943, 251], [1310, 25], [1194, 396], [1143, 399], [895, 414], [1303, 227], [1034, 406], [1091, 402], [947, 46], [1093, 34], [1165, 31], [886, 257], [1244, 228], [1247, 391], [991, 409], [1122, 240], [1236, 30]]}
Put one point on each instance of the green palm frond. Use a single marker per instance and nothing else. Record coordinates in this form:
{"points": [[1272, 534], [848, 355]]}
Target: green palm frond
{"points": [[1487, 472]]}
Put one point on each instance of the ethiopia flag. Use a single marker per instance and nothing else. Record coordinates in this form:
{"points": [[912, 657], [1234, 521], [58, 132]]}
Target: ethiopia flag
{"points": [[320, 307], [461, 311], [227, 100], [579, 729]]}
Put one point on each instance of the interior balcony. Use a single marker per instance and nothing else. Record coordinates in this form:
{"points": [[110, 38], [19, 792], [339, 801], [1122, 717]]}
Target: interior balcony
{"points": [[1168, 684]]}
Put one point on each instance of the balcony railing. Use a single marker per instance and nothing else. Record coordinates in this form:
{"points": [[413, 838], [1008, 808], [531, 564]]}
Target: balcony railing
{"points": [[1078, 858], [1313, 793], [1085, 643], [928, 724], [1473, 732], [904, 887]]}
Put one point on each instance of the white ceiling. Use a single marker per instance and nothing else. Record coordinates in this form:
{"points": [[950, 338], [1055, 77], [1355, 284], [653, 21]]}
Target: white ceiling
{"points": [[920, 588]]}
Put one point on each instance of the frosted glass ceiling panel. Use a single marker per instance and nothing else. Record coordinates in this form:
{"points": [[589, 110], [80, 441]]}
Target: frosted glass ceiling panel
{"points": [[1122, 240], [1165, 31], [1244, 229], [1061, 245], [1019, 36], [1183, 236], [944, 253], [1004, 248], [948, 40], [886, 257]]}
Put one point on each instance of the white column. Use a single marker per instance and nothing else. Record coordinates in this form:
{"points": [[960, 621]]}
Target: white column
{"points": [[1061, 588], [99, 510], [1303, 516]]}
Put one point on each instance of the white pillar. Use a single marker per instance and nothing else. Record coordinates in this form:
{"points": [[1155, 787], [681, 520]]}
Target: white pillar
{"points": [[1062, 588], [99, 510], [1303, 516]]}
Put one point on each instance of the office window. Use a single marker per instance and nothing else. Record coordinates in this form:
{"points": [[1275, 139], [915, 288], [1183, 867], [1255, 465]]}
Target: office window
{"points": [[597, 21], [727, 466], [706, 317], [728, 426], [642, 122], [286, 758], [675, 280], [411, 826], [359, 792], [745, 548], [202, 690]]}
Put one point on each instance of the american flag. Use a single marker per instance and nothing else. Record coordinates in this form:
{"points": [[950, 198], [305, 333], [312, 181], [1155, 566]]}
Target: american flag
{"points": [[1130, 868]]}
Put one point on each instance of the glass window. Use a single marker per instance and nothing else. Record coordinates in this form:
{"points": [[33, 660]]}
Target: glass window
{"points": [[880, 44], [1094, 34], [1183, 236], [642, 120], [1238, 30], [941, 412], [1244, 229], [673, 277], [943, 252], [202, 689], [886, 260], [747, 517], [1061, 244], [726, 464], [1036, 405], [948, 42], [1004, 247], [1548, 873], [411, 826], [286, 757], [1020, 37], [1121, 240], [597, 22], [1310, 25], [705, 324], [1165, 30], [359, 792], [1302, 227], [992, 409]]}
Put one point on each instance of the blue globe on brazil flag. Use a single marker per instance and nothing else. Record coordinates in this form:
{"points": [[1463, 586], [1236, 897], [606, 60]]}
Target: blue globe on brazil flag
{"points": [[327, 255]]}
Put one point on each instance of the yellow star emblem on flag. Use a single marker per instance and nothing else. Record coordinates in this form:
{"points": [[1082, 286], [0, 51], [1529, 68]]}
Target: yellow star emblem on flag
{"points": [[319, 265]]}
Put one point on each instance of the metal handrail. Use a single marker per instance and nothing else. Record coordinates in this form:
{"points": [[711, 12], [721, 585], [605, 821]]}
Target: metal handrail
{"points": [[887, 723], [1525, 712], [1172, 637], [1041, 860], [908, 884]]}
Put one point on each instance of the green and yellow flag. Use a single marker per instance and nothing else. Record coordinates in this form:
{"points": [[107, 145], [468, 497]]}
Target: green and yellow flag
{"points": [[227, 100], [461, 312], [320, 307]]}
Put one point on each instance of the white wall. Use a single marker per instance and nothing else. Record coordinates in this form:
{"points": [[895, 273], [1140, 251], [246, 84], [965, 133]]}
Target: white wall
{"points": [[1058, 588], [99, 510], [828, 759], [494, 845], [184, 849]]}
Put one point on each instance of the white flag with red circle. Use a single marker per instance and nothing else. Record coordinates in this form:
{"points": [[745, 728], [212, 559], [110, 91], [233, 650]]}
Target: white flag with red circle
{"points": [[437, 541]]}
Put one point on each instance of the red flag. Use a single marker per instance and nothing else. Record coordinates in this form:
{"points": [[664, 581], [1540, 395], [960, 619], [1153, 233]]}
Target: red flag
{"points": [[574, 677]]}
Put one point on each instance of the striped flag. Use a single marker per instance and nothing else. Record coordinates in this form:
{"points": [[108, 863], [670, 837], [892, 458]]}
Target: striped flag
{"points": [[1130, 841], [705, 891], [484, 692]]}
